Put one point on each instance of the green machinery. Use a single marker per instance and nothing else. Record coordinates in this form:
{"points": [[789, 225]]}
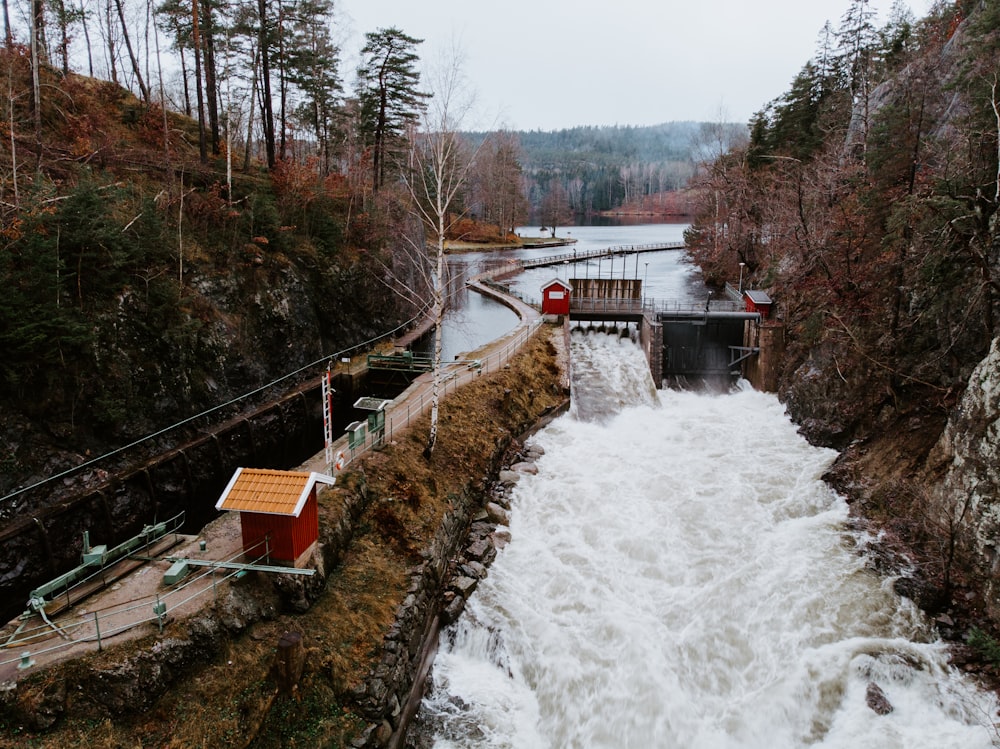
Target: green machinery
{"points": [[95, 560], [374, 424]]}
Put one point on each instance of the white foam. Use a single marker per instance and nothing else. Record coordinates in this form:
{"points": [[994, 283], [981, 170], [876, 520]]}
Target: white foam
{"points": [[680, 576]]}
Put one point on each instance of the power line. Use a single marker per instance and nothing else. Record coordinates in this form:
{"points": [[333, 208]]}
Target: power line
{"points": [[212, 410]]}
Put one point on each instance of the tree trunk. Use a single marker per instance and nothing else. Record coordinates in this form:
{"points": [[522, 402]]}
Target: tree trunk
{"points": [[438, 292], [253, 100], [163, 98], [266, 106], [86, 36], [63, 36], [8, 35], [37, 27], [13, 141], [211, 81], [196, 41], [184, 78], [282, 79], [112, 52], [131, 54], [378, 156]]}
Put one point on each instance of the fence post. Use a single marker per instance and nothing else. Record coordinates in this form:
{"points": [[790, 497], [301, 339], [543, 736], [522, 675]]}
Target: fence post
{"points": [[97, 626], [160, 610]]}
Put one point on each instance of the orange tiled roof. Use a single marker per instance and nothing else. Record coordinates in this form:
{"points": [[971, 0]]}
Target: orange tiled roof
{"points": [[268, 491]]}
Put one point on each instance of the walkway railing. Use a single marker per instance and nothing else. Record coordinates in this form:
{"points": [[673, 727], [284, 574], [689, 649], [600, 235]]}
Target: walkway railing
{"points": [[624, 249], [651, 306], [516, 265], [414, 402], [101, 624]]}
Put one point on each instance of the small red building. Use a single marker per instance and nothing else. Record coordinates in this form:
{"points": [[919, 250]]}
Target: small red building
{"points": [[277, 505], [758, 301], [555, 297]]}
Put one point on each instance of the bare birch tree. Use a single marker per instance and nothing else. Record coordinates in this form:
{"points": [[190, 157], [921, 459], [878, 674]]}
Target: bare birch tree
{"points": [[439, 162]]}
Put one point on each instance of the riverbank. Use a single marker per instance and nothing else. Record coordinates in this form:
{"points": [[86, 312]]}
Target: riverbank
{"points": [[886, 481], [210, 681], [522, 243]]}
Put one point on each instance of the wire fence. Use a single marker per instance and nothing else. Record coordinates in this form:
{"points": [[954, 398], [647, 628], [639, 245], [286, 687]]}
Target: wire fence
{"points": [[102, 624], [315, 365], [419, 397], [47, 637]]}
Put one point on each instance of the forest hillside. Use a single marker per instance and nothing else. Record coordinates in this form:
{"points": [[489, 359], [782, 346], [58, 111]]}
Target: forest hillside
{"points": [[143, 285], [595, 169], [865, 201]]}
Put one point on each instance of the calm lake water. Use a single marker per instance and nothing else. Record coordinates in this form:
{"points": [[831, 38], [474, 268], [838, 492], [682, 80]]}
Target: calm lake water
{"points": [[474, 320]]}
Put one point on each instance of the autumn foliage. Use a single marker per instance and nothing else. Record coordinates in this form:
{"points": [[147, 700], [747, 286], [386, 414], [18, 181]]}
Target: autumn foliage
{"points": [[865, 201]]}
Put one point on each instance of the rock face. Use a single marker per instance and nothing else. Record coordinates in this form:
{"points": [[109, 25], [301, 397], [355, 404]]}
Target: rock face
{"points": [[965, 505], [828, 408]]}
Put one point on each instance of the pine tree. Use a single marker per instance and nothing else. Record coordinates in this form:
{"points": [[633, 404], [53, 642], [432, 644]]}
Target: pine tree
{"points": [[856, 56], [388, 92], [313, 64]]}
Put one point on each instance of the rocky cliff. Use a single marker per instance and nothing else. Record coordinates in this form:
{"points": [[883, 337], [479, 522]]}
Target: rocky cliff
{"points": [[964, 503]]}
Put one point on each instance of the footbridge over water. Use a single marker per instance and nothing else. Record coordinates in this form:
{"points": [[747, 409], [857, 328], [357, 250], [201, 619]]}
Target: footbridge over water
{"points": [[507, 268]]}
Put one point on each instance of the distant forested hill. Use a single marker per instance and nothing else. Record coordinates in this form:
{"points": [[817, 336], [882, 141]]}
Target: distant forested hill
{"points": [[593, 169]]}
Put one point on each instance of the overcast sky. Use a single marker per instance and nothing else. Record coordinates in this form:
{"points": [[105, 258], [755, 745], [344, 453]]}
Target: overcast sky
{"points": [[552, 64]]}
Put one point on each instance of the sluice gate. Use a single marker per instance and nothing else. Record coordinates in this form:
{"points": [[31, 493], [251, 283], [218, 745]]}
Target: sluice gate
{"points": [[712, 341]]}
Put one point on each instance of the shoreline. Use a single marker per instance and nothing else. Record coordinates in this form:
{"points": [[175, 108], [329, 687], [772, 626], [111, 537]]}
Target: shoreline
{"points": [[525, 243]]}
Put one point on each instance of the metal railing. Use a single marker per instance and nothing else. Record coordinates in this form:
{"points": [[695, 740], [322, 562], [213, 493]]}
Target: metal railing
{"points": [[649, 306], [411, 405], [404, 361], [102, 624], [625, 249]]}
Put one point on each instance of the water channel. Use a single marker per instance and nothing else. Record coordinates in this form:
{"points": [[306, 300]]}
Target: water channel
{"points": [[680, 576], [473, 320]]}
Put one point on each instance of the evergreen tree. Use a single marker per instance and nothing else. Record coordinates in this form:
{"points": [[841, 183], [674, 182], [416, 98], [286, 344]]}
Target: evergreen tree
{"points": [[858, 43], [313, 64], [796, 116], [388, 92]]}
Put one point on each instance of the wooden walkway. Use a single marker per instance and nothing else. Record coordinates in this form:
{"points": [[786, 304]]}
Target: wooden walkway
{"points": [[571, 257]]}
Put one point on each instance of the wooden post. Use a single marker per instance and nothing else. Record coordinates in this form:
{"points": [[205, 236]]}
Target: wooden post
{"points": [[289, 662]]}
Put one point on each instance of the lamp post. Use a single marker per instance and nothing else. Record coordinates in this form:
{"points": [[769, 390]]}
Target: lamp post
{"points": [[645, 276], [741, 278]]}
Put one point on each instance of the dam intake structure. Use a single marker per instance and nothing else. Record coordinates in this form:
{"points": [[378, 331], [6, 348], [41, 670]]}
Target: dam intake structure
{"points": [[716, 341]]}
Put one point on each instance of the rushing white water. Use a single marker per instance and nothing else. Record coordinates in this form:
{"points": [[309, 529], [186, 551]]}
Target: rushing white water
{"points": [[679, 576]]}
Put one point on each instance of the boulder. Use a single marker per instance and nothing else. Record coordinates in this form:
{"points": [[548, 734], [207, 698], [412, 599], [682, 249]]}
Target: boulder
{"points": [[464, 586], [501, 538], [497, 514], [525, 467], [876, 699], [508, 478]]}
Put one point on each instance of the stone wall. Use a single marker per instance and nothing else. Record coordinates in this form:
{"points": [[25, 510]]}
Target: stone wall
{"points": [[457, 559], [764, 369]]}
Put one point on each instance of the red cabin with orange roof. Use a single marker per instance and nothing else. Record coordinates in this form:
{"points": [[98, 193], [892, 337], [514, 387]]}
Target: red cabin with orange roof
{"points": [[280, 506]]}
